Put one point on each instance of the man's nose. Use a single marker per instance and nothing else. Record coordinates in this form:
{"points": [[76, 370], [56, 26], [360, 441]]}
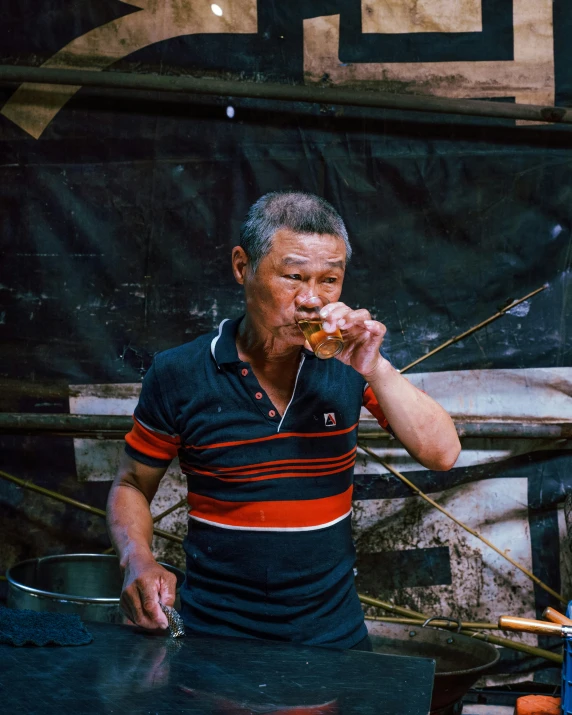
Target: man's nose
{"points": [[308, 302]]}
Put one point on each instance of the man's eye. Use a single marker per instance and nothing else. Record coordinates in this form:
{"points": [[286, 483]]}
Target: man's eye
{"points": [[330, 280], [294, 276]]}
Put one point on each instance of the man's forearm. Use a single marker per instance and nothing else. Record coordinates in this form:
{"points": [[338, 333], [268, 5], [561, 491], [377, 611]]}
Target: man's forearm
{"points": [[129, 523], [146, 584], [423, 427]]}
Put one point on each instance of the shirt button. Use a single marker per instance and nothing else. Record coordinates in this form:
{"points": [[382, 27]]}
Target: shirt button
{"points": [[272, 413], [258, 395], [244, 372]]}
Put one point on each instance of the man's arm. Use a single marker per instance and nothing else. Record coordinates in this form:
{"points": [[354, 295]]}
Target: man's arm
{"points": [[421, 425], [130, 527]]}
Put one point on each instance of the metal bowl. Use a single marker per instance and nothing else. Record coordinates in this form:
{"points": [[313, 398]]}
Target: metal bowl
{"points": [[86, 584]]}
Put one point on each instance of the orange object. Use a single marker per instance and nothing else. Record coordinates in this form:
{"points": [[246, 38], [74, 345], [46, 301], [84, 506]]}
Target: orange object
{"points": [[537, 705], [551, 614], [529, 625]]}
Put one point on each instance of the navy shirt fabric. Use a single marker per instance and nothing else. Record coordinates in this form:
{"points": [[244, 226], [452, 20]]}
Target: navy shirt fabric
{"points": [[269, 548]]}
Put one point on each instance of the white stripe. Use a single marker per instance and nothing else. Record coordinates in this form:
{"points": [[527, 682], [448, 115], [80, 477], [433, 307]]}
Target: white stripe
{"points": [[214, 341], [302, 358], [271, 528], [153, 429]]}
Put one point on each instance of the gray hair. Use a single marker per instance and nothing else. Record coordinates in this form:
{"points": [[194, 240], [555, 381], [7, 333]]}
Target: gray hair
{"points": [[294, 210]]}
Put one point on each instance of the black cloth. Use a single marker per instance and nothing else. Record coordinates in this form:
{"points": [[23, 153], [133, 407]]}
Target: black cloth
{"points": [[23, 627]]}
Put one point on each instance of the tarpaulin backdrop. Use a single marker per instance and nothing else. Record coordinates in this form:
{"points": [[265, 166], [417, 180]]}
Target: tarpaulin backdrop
{"points": [[118, 212]]}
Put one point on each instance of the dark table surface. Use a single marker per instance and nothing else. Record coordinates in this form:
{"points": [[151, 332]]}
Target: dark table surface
{"points": [[125, 670]]}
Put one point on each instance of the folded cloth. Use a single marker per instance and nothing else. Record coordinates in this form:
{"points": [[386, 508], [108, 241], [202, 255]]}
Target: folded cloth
{"points": [[22, 627]]}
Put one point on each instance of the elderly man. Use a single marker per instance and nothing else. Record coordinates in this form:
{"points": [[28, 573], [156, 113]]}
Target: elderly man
{"points": [[266, 433]]}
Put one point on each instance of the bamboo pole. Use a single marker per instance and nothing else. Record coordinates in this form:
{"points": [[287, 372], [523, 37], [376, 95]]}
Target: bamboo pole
{"points": [[436, 623], [182, 502], [487, 637], [79, 505], [474, 329], [157, 518], [474, 533], [401, 610], [507, 643]]}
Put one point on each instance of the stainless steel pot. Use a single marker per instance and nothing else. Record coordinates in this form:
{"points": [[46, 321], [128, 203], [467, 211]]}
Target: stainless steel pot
{"points": [[86, 584]]}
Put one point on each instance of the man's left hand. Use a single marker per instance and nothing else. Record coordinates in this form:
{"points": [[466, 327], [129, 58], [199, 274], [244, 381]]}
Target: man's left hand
{"points": [[362, 336]]}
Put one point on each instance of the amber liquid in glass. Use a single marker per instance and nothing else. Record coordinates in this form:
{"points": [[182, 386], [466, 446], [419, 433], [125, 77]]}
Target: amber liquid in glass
{"points": [[325, 345]]}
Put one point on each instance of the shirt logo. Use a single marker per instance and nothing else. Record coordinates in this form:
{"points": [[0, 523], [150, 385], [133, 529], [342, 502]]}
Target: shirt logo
{"points": [[330, 419]]}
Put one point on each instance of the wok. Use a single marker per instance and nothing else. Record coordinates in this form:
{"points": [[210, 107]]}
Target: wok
{"points": [[460, 660]]}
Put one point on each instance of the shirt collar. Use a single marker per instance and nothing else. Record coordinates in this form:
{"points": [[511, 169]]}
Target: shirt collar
{"points": [[223, 345]]}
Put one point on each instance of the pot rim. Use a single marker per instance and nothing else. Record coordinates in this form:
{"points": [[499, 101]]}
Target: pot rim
{"points": [[476, 670], [70, 596]]}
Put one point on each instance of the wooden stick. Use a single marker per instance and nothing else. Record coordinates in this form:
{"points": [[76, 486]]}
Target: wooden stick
{"points": [[474, 329], [551, 614], [474, 533], [530, 625]]}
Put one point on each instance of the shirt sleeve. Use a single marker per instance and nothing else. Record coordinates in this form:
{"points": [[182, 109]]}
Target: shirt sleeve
{"points": [[371, 404], [153, 440]]}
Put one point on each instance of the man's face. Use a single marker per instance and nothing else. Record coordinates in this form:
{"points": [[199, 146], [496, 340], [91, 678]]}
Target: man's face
{"points": [[298, 267]]}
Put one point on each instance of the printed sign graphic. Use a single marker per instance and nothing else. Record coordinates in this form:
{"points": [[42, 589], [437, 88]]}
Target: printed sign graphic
{"points": [[517, 60], [479, 49], [33, 106]]}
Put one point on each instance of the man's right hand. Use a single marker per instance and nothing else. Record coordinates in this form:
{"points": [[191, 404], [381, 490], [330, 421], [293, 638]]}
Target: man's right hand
{"points": [[145, 585]]}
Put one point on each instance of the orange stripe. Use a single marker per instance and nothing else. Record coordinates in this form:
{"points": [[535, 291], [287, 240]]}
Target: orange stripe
{"points": [[238, 480], [271, 472], [152, 444], [155, 433], [281, 435], [262, 466], [271, 514], [372, 405]]}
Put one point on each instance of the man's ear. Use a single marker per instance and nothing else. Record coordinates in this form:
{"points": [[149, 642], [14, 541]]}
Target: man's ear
{"points": [[240, 264]]}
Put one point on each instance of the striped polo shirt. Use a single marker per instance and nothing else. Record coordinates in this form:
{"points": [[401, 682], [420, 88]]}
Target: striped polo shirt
{"points": [[269, 548]]}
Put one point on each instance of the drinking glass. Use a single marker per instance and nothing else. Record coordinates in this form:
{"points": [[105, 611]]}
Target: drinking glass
{"points": [[325, 345]]}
